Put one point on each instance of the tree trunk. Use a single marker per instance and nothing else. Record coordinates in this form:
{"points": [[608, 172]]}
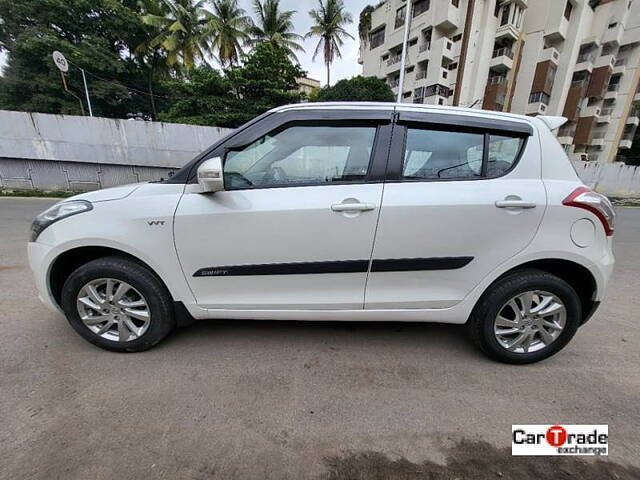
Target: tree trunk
{"points": [[328, 74]]}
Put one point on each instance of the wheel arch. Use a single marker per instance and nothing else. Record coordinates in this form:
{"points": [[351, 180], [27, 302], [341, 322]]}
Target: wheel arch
{"points": [[69, 260], [578, 276]]}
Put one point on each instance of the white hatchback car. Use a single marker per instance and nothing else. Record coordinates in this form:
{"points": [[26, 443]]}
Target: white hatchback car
{"points": [[352, 211]]}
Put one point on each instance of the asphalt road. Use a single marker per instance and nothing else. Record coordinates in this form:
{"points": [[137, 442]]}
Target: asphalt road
{"points": [[282, 400]]}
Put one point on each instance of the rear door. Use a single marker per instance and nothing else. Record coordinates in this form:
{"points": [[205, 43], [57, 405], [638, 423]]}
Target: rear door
{"points": [[463, 195], [294, 227]]}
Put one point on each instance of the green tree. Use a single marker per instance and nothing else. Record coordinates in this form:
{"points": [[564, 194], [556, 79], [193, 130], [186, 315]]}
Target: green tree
{"points": [[330, 20], [275, 27], [266, 79], [229, 30], [183, 31], [362, 89], [97, 35]]}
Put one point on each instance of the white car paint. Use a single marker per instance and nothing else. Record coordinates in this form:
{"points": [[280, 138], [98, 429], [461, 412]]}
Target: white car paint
{"points": [[191, 230]]}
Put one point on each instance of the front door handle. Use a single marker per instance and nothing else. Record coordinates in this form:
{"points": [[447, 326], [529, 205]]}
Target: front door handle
{"points": [[352, 207], [515, 204]]}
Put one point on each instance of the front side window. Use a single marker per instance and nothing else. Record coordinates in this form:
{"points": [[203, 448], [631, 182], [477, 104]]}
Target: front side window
{"points": [[437, 154], [301, 155]]}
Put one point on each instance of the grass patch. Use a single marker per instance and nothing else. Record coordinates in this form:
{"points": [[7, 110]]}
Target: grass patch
{"points": [[37, 193]]}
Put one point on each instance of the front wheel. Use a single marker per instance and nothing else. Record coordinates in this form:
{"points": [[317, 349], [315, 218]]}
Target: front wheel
{"points": [[525, 317], [118, 304]]}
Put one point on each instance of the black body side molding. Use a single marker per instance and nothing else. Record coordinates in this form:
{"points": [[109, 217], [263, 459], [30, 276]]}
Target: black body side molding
{"points": [[343, 266]]}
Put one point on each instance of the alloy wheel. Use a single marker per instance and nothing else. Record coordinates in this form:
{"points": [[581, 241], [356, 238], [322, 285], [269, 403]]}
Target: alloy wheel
{"points": [[530, 321], [113, 309]]}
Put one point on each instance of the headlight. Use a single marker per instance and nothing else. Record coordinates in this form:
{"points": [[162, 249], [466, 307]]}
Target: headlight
{"points": [[57, 212]]}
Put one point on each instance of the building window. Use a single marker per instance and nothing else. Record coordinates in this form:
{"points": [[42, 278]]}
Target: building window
{"points": [[539, 97], [612, 25], [420, 7], [376, 38], [505, 15], [496, 10], [551, 75], [452, 65], [401, 15], [455, 3], [413, 42], [568, 8], [457, 38]]}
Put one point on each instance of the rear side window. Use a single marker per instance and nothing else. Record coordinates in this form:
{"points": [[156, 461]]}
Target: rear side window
{"points": [[432, 154], [503, 152]]}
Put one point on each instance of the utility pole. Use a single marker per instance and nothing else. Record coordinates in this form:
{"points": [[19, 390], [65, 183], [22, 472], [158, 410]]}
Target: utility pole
{"points": [[403, 60], [86, 91]]}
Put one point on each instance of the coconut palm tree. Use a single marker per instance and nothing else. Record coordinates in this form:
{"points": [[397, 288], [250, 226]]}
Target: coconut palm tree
{"points": [[182, 31], [228, 28], [330, 20], [276, 27]]}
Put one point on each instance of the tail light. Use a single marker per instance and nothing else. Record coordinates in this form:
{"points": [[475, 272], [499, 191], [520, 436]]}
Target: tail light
{"points": [[597, 204]]}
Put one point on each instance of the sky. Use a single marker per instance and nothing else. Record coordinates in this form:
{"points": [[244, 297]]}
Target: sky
{"points": [[345, 67]]}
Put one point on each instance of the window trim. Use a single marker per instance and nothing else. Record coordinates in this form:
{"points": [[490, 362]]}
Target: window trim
{"points": [[270, 121], [399, 144]]}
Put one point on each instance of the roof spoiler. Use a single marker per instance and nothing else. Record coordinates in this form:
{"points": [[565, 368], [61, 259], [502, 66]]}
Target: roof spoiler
{"points": [[553, 122]]}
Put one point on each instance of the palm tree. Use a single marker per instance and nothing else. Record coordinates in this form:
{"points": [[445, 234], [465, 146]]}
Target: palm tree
{"points": [[276, 27], [182, 31], [229, 28], [330, 20]]}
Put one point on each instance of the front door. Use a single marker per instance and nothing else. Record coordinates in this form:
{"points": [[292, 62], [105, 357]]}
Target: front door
{"points": [[294, 227]]}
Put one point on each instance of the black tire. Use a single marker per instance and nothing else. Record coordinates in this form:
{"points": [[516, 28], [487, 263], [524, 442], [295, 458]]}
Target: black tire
{"points": [[138, 276], [481, 323]]}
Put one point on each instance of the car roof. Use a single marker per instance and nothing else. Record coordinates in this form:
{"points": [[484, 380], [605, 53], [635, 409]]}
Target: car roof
{"points": [[439, 113]]}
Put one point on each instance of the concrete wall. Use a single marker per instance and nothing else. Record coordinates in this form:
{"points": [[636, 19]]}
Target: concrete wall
{"points": [[53, 152], [612, 179]]}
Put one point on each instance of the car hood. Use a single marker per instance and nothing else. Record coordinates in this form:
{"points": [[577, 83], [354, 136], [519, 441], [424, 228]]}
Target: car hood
{"points": [[113, 193]]}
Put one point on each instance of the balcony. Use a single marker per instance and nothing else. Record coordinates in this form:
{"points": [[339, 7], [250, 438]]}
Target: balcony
{"points": [[626, 142], [619, 65], [497, 80], [502, 60], [557, 26], [551, 54], [585, 62], [508, 31], [614, 34], [612, 91], [442, 48], [592, 111], [424, 47], [608, 60], [393, 60], [633, 118], [394, 83], [446, 16], [605, 115], [597, 139], [566, 134]]}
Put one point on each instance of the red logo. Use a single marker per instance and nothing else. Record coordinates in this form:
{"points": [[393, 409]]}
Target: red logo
{"points": [[556, 436]]}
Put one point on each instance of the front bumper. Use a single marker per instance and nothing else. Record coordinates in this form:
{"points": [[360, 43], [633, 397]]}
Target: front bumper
{"points": [[40, 263]]}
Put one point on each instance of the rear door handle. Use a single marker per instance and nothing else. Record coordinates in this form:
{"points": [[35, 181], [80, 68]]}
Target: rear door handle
{"points": [[352, 207], [515, 204]]}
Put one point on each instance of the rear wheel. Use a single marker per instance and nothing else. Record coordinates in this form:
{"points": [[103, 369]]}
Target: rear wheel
{"points": [[118, 304], [526, 317]]}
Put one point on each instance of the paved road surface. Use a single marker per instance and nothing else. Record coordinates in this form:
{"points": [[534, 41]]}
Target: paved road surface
{"points": [[293, 400]]}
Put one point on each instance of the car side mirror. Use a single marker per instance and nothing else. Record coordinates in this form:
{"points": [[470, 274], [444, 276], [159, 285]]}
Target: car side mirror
{"points": [[210, 176]]}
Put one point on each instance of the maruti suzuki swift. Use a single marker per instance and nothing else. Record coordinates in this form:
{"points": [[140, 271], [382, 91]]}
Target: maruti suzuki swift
{"points": [[344, 211]]}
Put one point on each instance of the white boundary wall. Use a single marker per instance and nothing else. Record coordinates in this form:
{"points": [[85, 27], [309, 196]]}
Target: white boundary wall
{"points": [[62, 152], [612, 179]]}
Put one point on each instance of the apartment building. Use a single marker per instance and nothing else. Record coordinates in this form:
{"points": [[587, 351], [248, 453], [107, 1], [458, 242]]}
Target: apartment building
{"points": [[574, 58]]}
